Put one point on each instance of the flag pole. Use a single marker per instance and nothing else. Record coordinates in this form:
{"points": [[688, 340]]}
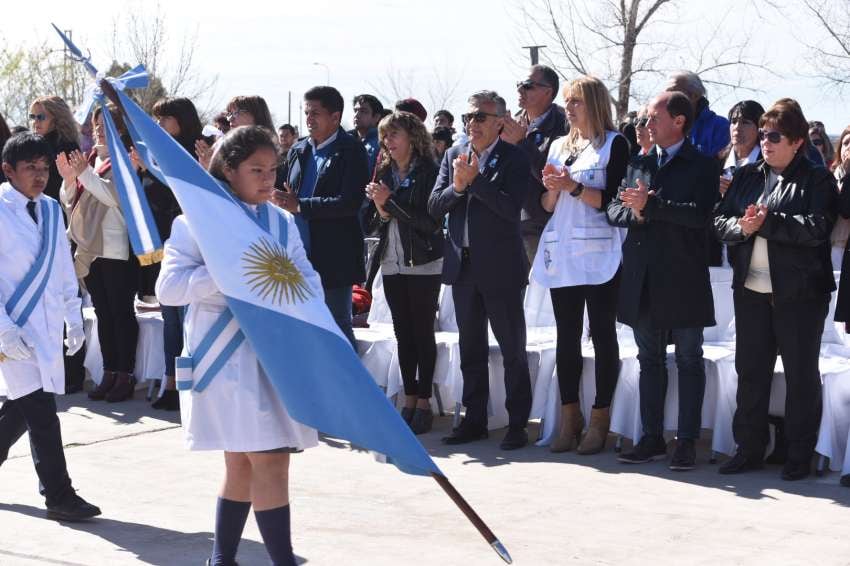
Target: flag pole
{"points": [[473, 517]]}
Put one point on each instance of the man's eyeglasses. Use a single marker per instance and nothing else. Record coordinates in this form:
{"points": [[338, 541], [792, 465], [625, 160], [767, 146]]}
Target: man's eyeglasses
{"points": [[530, 85], [38, 117], [478, 117], [770, 135]]}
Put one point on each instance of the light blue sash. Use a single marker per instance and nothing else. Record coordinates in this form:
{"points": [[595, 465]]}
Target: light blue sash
{"points": [[31, 289], [224, 336]]}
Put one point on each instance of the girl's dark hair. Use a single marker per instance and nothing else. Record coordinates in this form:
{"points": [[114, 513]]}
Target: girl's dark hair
{"points": [[238, 145], [255, 106], [182, 110]]}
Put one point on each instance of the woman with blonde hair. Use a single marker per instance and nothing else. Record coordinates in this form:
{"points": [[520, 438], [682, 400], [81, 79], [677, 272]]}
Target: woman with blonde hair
{"points": [[51, 117], [410, 253], [580, 254]]}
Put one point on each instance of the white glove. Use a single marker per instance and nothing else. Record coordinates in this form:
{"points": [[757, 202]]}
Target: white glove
{"points": [[12, 345], [74, 341]]}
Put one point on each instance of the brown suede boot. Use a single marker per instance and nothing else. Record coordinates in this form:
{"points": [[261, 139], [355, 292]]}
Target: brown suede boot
{"points": [[569, 430], [106, 383], [125, 384], [597, 432]]}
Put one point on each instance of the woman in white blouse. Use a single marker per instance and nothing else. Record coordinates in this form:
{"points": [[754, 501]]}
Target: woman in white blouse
{"points": [[103, 259]]}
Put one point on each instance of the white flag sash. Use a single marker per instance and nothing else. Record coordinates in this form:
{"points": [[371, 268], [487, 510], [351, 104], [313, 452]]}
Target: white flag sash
{"points": [[197, 370]]}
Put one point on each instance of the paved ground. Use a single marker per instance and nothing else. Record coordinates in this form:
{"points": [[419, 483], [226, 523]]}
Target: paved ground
{"points": [[158, 501]]}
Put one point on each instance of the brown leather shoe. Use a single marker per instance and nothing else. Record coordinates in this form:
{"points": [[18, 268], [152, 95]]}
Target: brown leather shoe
{"points": [[569, 430], [597, 432], [105, 385], [125, 384]]}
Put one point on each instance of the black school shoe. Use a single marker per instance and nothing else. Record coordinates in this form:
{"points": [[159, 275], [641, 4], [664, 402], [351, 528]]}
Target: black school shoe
{"points": [[793, 471], [465, 433], [739, 464], [72, 508], [515, 438], [684, 456], [648, 449], [845, 480]]}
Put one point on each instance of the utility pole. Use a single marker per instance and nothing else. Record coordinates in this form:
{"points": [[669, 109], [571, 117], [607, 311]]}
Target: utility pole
{"points": [[289, 115], [534, 52]]}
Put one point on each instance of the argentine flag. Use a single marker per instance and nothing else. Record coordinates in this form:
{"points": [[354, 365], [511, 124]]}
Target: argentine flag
{"points": [[310, 363]]}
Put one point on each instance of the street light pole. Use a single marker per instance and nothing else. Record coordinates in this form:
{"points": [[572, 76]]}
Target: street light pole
{"points": [[327, 71], [534, 52]]}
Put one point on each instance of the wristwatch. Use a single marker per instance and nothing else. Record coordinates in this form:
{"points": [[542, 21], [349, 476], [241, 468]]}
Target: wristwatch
{"points": [[578, 190]]}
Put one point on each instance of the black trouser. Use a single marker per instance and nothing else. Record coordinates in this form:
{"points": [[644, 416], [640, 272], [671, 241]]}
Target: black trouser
{"points": [[568, 306], [764, 328], [112, 284], [36, 413], [474, 307], [413, 303], [75, 371]]}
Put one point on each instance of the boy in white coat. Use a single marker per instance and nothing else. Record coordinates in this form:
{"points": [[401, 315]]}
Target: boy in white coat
{"points": [[38, 289]]}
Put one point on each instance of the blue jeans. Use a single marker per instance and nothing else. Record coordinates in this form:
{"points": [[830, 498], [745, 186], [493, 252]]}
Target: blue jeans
{"points": [[652, 355], [172, 335], [338, 300]]}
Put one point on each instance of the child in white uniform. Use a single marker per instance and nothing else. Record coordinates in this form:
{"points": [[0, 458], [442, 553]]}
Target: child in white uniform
{"points": [[238, 411]]}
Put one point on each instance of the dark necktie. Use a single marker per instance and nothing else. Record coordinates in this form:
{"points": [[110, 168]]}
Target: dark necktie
{"points": [[663, 159], [31, 210]]}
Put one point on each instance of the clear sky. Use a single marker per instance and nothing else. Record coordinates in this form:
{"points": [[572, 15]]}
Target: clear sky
{"points": [[269, 49]]}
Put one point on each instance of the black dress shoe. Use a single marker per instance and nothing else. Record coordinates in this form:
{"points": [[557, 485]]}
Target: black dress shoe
{"points": [[72, 388], [514, 438], [170, 401], [464, 434], [648, 449], [740, 463], [422, 421], [72, 508], [684, 456], [794, 470], [845, 480]]}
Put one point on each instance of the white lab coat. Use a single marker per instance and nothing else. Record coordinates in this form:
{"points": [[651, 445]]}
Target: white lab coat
{"points": [[239, 411], [20, 241]]}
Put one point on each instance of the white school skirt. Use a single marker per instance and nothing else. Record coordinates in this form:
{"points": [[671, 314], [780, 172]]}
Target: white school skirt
{"points": [[240, 412]]}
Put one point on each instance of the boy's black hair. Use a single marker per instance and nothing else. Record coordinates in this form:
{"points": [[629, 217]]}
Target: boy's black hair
{"points": [[26, 147]]}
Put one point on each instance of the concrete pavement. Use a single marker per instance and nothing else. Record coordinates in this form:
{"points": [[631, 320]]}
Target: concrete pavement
{"points": [[158, 501]]}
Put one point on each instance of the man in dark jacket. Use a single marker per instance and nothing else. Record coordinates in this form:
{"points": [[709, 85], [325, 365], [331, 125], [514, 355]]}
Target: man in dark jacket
{"points": [[367, 113], [536, 126], [666, 204], [325, 176], [481, 187]]}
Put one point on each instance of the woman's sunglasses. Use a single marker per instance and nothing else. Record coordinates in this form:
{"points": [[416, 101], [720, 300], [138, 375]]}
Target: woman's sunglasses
{"points": [[770, 135], [38, 117], [477, 117], [642, 123]]}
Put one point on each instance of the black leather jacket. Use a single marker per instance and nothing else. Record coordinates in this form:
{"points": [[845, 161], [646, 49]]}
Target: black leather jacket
{"points": [[801, 213], [421, 234]]}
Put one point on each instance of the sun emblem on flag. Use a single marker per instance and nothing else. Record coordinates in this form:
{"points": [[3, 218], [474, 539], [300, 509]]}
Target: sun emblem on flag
{"points": [[272, 275]]}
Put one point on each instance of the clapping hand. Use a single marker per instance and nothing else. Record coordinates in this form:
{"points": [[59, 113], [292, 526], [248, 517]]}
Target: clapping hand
{"points": [[464, 173], [513, 131], [636, 198], [558, 178], [753, 219], [138, 165], [378, 193], [204, 152], [71, 165], [286, 198]]}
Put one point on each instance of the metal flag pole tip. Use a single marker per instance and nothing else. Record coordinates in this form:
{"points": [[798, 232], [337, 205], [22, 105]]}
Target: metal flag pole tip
{"points": [[502, 551]]}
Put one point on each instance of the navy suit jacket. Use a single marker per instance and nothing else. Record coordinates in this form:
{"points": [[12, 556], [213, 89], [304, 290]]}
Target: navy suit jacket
{"points": [[336, 239], [497, 259]]}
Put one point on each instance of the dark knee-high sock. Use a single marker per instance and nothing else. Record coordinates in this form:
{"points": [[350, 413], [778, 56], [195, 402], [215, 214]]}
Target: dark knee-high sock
{"points": [[274, 528], [230, 517]]}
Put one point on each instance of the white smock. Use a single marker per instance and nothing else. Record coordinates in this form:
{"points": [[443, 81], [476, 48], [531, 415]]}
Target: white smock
{"points": [[239, 411], [578, 246]]}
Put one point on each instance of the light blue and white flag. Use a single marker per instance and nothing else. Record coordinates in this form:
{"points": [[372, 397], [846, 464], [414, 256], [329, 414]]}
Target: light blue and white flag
{"points": [[144, 235], [310, 363]]}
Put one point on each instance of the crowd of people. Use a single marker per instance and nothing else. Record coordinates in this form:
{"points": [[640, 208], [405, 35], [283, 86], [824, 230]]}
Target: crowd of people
{"points": [[621, 220]]}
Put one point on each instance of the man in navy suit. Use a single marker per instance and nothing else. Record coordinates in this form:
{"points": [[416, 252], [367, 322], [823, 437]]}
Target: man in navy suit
{"points": [[481, 186], [324, 175]]}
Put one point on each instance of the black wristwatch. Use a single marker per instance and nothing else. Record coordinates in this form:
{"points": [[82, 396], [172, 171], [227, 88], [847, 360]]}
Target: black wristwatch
{"points": [[578, 190]]}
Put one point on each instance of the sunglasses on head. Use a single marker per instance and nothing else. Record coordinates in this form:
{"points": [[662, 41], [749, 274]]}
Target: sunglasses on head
{"points": [[479, 117], [530, 85], [770, 135], [38, 117]]}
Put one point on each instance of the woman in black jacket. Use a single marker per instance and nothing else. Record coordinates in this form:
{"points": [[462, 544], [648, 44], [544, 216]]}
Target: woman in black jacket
{"points": [[778, 213], [409, 253], [51, 117]]}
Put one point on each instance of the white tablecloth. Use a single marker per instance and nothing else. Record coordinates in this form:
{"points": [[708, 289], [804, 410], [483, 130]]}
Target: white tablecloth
{"points": [[150, 355]]}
